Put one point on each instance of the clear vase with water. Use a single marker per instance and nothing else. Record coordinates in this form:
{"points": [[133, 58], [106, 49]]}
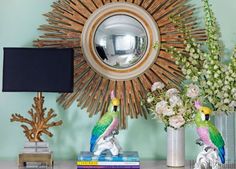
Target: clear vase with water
{"points": [[226, 126]]}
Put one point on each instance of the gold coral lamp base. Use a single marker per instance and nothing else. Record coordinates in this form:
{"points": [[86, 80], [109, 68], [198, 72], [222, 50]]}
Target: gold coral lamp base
{"points": [[39, 122], [40, 95]]}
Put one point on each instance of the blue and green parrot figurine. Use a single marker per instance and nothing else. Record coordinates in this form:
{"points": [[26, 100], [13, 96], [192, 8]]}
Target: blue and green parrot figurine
{"points": [[207, 132], [106, 127]]}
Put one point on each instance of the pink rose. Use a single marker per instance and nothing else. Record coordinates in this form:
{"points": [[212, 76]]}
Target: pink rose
{"points": [[172, 92], [193, 91], [176, 121], [157, 85]]}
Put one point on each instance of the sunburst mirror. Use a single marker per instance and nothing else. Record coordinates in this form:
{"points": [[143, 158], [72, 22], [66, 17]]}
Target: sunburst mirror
{"points": [[114, 48]]}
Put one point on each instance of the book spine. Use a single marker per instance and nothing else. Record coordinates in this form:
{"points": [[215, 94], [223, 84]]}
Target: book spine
{"points": [[109, 167], [110, 159], [105, 163]]}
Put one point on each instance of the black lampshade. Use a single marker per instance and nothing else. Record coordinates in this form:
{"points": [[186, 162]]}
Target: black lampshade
{"points": [[38, 70]]}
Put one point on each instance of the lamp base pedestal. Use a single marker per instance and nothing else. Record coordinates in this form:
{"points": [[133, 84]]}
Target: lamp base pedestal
{"points": [[36, 154], [39, 158]]}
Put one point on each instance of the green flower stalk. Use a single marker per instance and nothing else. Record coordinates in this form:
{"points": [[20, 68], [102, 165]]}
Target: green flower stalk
{"points": [[190, 60], [201, 64], [229, 88], [213, 32]]}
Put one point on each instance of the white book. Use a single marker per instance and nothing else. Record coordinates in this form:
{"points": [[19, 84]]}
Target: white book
{"points": [[36, 144], [36, 165], [36, 150]]}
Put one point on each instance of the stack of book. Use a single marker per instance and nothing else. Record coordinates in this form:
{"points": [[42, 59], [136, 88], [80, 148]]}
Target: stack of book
{"points": [[125, 160]]}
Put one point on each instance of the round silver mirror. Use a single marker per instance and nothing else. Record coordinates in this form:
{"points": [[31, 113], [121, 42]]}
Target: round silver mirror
{"points": [[120, 41]]}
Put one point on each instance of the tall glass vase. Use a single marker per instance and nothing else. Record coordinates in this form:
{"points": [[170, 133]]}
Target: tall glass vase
{"points": [[175, 147], [226, 126]]}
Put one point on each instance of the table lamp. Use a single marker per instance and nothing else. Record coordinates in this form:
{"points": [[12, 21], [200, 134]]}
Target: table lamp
{"points": [[37, 70]]}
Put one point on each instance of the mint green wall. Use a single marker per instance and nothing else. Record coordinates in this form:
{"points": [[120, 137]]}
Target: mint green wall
{"points": [[19, 20]]}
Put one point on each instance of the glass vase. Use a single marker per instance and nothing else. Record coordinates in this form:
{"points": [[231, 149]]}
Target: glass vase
{"points": [[226, 126], [175, 147]]}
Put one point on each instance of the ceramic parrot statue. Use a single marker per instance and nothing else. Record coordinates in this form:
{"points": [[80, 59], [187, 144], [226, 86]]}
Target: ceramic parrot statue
{"points": [[207, 132], [108, 124]]}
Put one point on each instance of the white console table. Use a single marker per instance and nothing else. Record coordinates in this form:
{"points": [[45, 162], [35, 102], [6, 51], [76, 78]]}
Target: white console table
{"points": [[72, 165], [144, 165]]}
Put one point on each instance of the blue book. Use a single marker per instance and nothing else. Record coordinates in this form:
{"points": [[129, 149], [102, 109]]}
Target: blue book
{"points": [[126, 156]]}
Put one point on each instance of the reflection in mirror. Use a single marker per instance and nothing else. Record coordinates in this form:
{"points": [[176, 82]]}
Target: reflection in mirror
{"points": [[121, 41]]}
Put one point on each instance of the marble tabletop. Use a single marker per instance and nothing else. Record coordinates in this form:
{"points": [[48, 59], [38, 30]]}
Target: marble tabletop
{"points": [[71, 165], [145, 164]]}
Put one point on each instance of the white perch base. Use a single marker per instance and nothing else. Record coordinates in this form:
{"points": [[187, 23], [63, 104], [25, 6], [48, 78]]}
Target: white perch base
{"points": [[110, 143], [207, 158]]}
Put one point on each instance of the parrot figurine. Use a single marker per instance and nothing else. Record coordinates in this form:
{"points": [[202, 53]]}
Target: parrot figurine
{"points": [[207, 132], [103, 132]]}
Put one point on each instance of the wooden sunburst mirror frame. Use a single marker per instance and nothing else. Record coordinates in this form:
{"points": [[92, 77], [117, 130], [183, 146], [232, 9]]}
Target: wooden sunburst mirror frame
{"points": [[72, 23]]}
